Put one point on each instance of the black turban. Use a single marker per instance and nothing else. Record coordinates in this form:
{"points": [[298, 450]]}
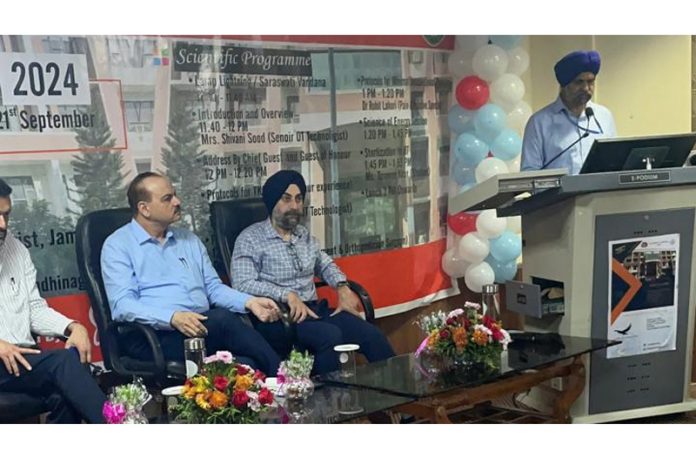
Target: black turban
{"points": [[277, 184], [575, 63]]}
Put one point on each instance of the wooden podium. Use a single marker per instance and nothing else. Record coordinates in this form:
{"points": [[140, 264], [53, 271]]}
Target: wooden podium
{"points": [[574, 229]]}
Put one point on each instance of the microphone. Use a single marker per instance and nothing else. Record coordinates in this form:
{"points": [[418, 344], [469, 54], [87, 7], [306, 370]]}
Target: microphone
{"points": [[589, 112]]}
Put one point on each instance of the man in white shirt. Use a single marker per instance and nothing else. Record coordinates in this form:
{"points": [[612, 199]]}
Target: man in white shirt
{"points": [[561, 134], [58, 376]]}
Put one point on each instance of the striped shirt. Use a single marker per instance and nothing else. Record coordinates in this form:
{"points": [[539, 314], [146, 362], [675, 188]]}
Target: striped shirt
{"points": [[22, 310], [263, 264]]}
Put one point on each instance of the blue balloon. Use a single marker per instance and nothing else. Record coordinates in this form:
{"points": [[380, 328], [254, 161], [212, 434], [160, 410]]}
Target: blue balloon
{"points": [[503, 271], [506, 41], [463, 176], [507, 145], [469, 150], [489, 122], [460, 119], [507, 247]]}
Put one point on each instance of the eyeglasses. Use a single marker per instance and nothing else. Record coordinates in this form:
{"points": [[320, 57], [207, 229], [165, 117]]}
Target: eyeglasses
{"points": [[295, 257]]}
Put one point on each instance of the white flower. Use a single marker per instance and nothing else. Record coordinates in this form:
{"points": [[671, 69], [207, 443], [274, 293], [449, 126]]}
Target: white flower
{"points": [[506, 339], [472, 305], [455, 313], [254, 403]]}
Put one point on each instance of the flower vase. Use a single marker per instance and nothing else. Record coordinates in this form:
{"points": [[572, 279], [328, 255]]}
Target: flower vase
{"points": [[432, 362], [296, 391], [135, 417]]}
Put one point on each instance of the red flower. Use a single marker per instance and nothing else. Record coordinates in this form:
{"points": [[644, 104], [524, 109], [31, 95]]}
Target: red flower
{"points": [[242, 370], [488, 321], [258, 375], [240, 399], [265, 396], [444, 334], [221, 382], [497, 334], [450, 321]]}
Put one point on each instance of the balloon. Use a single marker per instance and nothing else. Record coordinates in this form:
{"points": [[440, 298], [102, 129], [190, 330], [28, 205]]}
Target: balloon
{"points": [[490, 62], [518, 61], [489, 225], [472, 92], [473, 247], [513, 165], [469, 150], [452, 264], [470, 42], [507, 247], [489, 122], [506, 41], [507, 90], [463, 176], [462, 222], [514, 224], [459, 63], [503, 271], [478, 275], [489, 167], [460, 119], [518, 116], [507, 145]]}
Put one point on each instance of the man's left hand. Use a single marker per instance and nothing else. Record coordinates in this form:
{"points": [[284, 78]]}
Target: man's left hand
{"points": [[79, 338], [265, 309], [348, 301]]}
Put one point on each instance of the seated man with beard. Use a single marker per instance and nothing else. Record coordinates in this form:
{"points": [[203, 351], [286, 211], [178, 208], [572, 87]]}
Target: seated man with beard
{"points": [[278, 258]]}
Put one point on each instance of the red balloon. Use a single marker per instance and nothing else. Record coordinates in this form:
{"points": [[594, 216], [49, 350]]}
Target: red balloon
{"points": [[472, 92], [462, 223]]}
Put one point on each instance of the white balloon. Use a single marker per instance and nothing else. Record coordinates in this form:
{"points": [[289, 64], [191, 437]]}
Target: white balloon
{"points": [[518, 116], [459, 64], [489, 225], [514, 224], [513, 165], [489, 167], [452, 264], [507, 90], [478, 275], [518, 61], [473, 247], [490, 62]]}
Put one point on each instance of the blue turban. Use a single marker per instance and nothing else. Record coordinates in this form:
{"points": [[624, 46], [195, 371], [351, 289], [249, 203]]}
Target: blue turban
{"points": [[575, 63], [277, 184]]}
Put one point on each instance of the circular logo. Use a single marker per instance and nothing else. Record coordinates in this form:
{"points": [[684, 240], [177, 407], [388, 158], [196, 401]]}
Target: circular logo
{"points": [[191, 368], [343, 358]]}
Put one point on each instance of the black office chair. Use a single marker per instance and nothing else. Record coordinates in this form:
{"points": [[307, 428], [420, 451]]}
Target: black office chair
{"points": [[91, 232], [230, 217]]}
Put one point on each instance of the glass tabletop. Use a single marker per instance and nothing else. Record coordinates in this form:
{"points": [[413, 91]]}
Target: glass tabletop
{"points": [[406, 375]]}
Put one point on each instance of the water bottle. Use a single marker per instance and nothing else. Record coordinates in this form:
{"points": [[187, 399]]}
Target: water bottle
{"points": [[490, 301], [194, 352]]}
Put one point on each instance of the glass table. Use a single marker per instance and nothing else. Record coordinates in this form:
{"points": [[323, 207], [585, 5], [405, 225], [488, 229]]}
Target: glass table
{"points": [[526, 363]]}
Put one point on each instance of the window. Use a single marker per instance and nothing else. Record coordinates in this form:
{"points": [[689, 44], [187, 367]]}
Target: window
{"points": [[420, 168], [421, 222], [23, 191], [444, 149], [139, 115], [352, 65], [130, 52]]}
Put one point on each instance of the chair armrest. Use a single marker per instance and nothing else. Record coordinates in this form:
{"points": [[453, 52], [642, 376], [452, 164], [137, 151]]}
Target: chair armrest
{"points": [[116, 330], [365, 300]]}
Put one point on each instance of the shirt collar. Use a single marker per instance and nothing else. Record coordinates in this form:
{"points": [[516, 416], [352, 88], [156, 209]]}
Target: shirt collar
{"points": [[141, 235], [558, 106], [271, 233]]}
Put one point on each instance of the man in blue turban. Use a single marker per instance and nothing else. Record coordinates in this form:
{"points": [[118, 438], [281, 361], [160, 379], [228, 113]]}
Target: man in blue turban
{"points": [[560, 134]]}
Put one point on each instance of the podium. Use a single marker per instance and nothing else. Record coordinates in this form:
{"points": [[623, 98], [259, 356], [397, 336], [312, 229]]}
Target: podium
{"points": [[578, 233]]}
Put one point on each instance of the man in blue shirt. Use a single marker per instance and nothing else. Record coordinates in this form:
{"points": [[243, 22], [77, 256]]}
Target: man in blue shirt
{"points": [[560, 135], [162, 276], [278, 258]]}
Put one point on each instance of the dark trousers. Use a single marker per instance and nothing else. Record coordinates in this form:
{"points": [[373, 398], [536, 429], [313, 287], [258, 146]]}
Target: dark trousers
{"points": [[226, 332], [69, 391], [322, 335]]}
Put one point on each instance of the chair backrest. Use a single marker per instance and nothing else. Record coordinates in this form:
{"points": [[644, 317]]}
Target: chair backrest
{"points": [[91, 232], [229, 218]]}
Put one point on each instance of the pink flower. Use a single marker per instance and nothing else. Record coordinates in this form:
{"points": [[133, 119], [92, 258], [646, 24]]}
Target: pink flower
{"points": [[280, 379], [258, 375], [113, 413], [472, 305], [225, 357], [455, 313], [242, 369]]}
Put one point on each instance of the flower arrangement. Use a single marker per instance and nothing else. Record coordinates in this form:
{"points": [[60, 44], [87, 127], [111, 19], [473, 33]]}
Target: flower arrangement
{"points": [[465, 335], [125, 404], [293, 375], [224, 391]]}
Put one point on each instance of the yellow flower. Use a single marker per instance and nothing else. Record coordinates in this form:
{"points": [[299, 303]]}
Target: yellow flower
{"points": [[459, 336], [243, 382], [218, 399], [202, 401], [200, 384], [433, 338], [480, 337]]}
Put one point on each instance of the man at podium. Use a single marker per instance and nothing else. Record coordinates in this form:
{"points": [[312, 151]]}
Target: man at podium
{"points": [[560, 134]]}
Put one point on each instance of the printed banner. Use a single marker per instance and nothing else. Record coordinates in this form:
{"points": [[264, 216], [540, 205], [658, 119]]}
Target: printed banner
{"points": [[643, 295], [363, 118]]}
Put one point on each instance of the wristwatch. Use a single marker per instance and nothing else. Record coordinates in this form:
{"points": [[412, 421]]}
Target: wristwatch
{"points": [[341, 283]]}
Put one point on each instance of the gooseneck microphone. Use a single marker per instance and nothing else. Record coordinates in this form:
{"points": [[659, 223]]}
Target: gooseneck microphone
{"points": [[588, 113]]}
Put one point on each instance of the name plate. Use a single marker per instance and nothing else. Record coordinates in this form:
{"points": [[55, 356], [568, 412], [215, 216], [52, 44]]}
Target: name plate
{"points": [[644, 177]]}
